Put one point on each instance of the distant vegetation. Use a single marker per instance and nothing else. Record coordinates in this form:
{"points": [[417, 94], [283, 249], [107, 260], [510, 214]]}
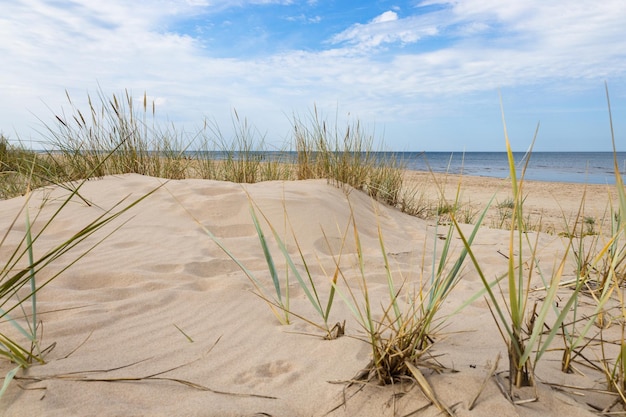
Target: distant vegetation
{"points": [[113, 137]]}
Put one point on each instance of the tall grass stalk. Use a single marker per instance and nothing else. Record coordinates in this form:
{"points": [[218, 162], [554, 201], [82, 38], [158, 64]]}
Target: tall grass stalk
{"points": [[79, 140], [346, 157], [22, 169], [241, 158], [113, 137], [589, 262], [615, 251], [521, 323]]}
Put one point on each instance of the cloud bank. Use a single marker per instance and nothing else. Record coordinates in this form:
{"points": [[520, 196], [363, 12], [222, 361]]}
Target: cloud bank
{"points": [[414, 69]]}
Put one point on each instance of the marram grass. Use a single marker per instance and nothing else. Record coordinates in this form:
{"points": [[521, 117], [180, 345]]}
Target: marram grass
{"points": [[524, 338], [120, 134]]}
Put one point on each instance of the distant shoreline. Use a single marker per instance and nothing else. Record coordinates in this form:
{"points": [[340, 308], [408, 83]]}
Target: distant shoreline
{"points": [[561, 167]]}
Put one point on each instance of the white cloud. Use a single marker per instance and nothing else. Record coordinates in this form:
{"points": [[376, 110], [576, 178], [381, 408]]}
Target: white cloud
{"points": [[304, 18], [385, 29], [477, 46], [388, 16]]}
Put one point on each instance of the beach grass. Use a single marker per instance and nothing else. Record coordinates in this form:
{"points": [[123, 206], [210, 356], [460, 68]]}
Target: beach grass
{"points": [[612, 280], [521, 321], [120, 134], [278, 298]]}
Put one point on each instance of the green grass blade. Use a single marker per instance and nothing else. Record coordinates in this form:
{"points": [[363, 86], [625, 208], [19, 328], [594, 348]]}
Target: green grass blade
{"points": [[309, 275], [268, 255], [337, 272], [486, 284], [15, 352], [364, 288], [7, 379], [19, 279], [539, 321], [619, 183], [331, 295], [312, 299], [393, 296], [515, 288], [26, 333], [33, 284], [450, 280]]}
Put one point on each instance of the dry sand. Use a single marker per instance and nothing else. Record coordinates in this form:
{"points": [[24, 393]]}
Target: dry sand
{"points": [[550, 206], [128, 308]]}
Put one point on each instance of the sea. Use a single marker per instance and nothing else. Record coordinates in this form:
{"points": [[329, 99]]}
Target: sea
{"points": [[565, 167]]}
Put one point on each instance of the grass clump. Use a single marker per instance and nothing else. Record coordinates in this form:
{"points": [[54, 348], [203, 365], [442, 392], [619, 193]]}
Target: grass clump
{"points": [[278, 298], [521, 322], [346, 157], [241, 158], [600, 273], [401, 339], [529, 327], [113, 137], [612, 281], [22, 169]]}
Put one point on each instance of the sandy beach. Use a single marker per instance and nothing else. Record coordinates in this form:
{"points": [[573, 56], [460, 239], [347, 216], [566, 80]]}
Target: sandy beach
{"points": [[549, 205], [158, 321]]}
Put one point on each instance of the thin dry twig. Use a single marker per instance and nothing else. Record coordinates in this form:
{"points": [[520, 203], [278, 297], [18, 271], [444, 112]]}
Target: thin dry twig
{"points": [[79, 346], [77, 377], [484, 384], [502, 388], [81, 376], [345, 397]]}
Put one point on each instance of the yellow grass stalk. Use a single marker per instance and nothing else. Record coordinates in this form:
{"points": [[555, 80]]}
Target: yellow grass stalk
{"points": [[616, 377], [522, 342]]}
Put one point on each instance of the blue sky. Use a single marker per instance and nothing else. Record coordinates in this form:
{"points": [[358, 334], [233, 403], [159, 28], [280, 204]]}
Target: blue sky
{"points": [[419, 75]]}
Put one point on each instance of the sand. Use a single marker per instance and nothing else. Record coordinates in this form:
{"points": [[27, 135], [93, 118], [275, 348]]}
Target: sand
{"points": [[160, 299], [550, 206]]}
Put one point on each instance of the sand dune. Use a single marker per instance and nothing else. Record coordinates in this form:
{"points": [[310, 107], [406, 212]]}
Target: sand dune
{"points": [[128, 308]]}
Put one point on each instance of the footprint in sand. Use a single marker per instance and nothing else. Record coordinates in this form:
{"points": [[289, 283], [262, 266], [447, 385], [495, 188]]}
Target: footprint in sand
{"points": [[265, 371]]}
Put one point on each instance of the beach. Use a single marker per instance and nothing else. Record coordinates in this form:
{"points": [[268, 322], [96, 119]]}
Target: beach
{"points": [[551, 206], [158, 320]]}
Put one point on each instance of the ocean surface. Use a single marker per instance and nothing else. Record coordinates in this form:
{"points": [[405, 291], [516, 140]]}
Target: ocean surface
{"points": [[576, 167], [566, 167]]}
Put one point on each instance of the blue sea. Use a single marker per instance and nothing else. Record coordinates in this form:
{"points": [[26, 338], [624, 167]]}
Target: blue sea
{"points": [[576, 167], [566, 167]]}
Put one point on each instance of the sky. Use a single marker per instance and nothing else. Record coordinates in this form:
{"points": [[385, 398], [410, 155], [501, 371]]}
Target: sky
{"points": [[422, 75]]}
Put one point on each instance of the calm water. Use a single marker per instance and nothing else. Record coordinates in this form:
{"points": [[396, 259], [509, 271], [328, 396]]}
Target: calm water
{"points": [[578, 167]]}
